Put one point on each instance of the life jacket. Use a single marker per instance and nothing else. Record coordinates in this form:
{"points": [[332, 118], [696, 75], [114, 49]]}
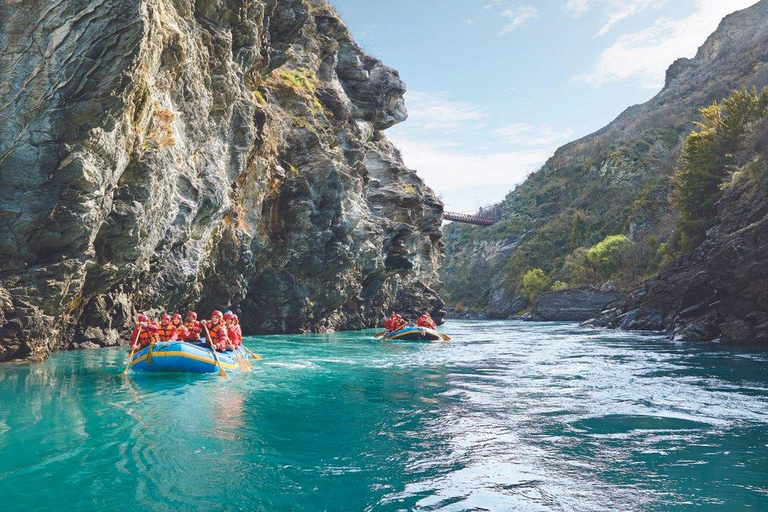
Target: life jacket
{"points": [[193, 329], [233, 335], [180, 331], [165, 333], [147, 336], [391, 324], [426, 321], [218, 332]]}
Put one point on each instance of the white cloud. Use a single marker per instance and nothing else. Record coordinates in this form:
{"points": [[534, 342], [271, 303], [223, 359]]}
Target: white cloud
{"points": [[518, 17], [437, 112], [577, 8], [522, 134], [644, 56], [621, 10], [447, 168], [456, 146]]}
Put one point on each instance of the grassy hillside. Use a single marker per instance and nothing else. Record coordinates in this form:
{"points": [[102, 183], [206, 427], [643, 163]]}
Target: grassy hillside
{"points": [[615, 182]]}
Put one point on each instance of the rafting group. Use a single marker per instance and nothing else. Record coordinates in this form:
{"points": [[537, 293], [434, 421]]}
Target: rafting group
{"points": [[198, 346], [397, 328], [207, 346], [223, 331]]}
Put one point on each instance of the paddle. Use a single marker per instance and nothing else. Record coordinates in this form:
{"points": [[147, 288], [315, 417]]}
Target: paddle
{"points": [[256, 357], [445, 337], [130, 357], [379, 334], [222, 373], [241, 362]]}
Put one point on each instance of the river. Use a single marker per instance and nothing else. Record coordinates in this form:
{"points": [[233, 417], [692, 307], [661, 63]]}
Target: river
{"points": [[507, 416]]}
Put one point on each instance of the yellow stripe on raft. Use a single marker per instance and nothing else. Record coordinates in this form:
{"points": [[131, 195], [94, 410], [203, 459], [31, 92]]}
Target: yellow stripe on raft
{"points": [[176, 353], [426, 330]]}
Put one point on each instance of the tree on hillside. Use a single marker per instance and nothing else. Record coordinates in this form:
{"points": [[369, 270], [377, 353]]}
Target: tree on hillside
{"points": [[707, 158], [535, 282], [608, 256]]}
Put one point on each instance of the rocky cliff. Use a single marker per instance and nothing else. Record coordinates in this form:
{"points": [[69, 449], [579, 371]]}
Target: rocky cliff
{"points": [[614, 181], [720, 289], [172, 154], [575, 305]]}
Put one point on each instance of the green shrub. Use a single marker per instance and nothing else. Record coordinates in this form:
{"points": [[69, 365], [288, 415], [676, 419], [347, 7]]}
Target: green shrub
{"points": [[707, 159], [607, 256], [558, 286], [535, 282]]}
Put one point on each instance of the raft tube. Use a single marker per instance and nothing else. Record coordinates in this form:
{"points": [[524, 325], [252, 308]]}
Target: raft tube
{"points": [[180, 356], [413, 334]]}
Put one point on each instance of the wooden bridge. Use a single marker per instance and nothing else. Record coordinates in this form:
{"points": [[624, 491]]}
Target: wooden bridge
{"points": [[468, 219]]}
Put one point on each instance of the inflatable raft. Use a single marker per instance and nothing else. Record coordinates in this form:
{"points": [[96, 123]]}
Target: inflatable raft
{"points": [[180, 356], [413, 334]]}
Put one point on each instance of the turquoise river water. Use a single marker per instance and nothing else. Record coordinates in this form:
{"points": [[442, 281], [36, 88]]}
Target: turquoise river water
{"points": [[507, 416]]}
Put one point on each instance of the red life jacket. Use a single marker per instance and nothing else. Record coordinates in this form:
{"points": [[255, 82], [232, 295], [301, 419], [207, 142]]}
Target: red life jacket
{"points": [[147, 336], [426, 321], [180, 332], [193, 329], [218, 332], [165, 333]]}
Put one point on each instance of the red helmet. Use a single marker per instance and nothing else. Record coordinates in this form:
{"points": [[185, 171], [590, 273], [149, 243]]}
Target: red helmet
{"points": [[228, 316], [237, 320], [176, 315], [192, 314], [216, 313], [143, 318], [165, 318]]}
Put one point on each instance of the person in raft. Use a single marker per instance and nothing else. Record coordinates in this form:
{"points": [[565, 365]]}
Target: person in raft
{"points": [[425, 320], [238, 330], [395, 322], [218, 331], [147, 334], [166, 332], [193, 327], [179, 331], [235, 337]]}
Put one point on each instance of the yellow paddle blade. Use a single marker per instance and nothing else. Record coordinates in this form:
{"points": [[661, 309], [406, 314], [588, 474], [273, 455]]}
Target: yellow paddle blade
{"points": [[242, 363], [446, 337]]}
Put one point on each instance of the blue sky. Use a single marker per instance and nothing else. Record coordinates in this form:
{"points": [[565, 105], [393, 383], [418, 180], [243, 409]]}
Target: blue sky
{"points": [[495, 86]]}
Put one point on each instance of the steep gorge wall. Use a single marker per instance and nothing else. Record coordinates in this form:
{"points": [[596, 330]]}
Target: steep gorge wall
{"points": [[617, 180], [166, 154]]}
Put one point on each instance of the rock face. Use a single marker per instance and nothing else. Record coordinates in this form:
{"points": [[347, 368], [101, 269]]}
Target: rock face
{"points": [[172, 154], [720, 289], [575, 305], [614, 181]]}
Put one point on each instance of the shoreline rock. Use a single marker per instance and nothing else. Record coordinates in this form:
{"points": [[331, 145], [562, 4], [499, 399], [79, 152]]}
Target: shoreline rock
{"points": [[573, 305]]}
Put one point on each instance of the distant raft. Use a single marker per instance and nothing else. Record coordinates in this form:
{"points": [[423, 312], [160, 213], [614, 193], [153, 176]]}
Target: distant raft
{"points": [[413, 334], [180, 356]]}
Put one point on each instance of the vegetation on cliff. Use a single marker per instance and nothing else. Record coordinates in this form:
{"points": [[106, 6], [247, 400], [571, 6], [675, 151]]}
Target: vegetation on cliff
{"points": [[708, 160], [610, 194]]}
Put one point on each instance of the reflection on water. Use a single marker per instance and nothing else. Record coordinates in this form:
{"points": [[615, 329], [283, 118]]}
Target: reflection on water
{"points": [[509, 416]]}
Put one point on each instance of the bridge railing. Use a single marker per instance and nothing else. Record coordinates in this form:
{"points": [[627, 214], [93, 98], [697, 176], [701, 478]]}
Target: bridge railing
{"points": [[468, 219]]}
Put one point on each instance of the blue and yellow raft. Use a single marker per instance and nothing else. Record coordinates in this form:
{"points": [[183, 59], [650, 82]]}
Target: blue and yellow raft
{"points": [[413, 334], [180, 356]]}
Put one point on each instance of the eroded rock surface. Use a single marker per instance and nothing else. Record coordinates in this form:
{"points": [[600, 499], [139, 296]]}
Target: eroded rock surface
{"points": [[576, 305], [719, 291], [167, 154]]}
